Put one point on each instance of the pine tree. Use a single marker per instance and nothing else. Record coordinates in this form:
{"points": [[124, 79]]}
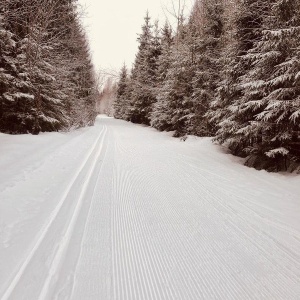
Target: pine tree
{"points": [[159, 117], [120, 102], [206, 29], [8, 70], [78, 72], [272, 93], [243, 28], [26, 64], [41, 95], [144, 76], [128, 98], [175, 94], [82, 80]]}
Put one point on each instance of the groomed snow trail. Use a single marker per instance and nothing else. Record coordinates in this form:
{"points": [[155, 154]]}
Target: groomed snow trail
{"points": [[125, 212]]}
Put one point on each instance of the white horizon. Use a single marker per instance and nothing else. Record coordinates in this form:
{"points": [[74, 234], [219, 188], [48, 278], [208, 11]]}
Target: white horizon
{"points": [[112, 28]]}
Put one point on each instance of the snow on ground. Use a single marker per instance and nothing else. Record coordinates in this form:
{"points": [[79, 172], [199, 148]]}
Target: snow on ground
{"points": [[120, 211]]}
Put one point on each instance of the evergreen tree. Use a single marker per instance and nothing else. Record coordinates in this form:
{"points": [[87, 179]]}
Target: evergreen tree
{"points": [[42, 92], [243, 28], [174, 99], [81, 77], [144, 76], [159, 116], [271, 91], [9, 79], [206, 28], [128, 98], [120, 102]]}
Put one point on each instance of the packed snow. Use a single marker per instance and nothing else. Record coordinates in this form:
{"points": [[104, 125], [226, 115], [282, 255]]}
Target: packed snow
{"points": [[121, 211]]}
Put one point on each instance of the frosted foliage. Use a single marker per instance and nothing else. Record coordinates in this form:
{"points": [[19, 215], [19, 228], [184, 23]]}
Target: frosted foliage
{"points": [[278, 151], [229, 70], [47, 80]]}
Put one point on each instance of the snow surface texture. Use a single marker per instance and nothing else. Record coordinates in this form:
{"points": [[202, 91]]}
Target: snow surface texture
{"points": [[120, 211]]}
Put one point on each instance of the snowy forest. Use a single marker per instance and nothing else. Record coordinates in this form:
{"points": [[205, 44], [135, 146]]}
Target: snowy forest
{"points": [[231, 71], [47, 80]]}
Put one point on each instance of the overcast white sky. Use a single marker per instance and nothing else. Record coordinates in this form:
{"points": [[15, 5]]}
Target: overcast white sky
{"points": [[112, 27]]}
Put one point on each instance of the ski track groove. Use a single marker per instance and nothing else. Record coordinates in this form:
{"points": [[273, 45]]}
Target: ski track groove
{"points": [[43, 232], [250, 214], [219, 202], [243, 200], [247, 237], [87, 219], [179, 256], [130, 238], [267, 236], [127, 214], [190, 249], [137, 243], [64, 243], [89, 260], [152, 254]]}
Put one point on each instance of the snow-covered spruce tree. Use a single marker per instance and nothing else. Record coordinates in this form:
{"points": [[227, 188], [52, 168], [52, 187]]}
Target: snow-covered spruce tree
{"points": [[206, 28], [271, 99], [120, 103], [9, 79], [156, 51], [227, 91], [242, 28], [129, 102], [192, 72], [76, 68], [33, 88], [159, 117], [82, 76], [14, 87], [175, 94], [143, 79], [37, 98]]}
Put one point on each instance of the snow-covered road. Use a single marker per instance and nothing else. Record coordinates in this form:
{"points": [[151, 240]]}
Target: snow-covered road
{"points": [[121, 211]]}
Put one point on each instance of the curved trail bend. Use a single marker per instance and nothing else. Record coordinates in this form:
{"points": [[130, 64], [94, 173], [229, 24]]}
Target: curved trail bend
{"points": [[146, 216]]}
